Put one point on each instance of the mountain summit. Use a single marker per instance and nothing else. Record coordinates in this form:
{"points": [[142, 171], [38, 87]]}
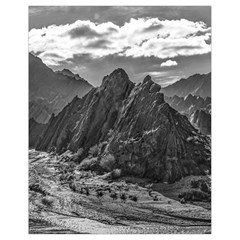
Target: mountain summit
{"points": [[133, 125]]}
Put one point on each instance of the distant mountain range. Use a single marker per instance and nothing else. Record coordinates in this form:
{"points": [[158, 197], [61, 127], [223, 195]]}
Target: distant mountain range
{"points": [[130, 124], [197, 109], [50, 91], [197, 85]]}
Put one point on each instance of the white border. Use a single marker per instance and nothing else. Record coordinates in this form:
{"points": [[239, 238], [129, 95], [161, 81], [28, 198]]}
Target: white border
{"points": [[14, 123]]}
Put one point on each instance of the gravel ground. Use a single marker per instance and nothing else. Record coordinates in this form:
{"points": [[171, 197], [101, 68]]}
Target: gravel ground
{"points": [[55, 207]]}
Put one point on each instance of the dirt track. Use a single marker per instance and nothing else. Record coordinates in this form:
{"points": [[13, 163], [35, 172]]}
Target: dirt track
{"points": [[59, 209]]}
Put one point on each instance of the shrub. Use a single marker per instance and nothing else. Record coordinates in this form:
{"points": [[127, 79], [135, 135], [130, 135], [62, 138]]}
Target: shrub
{"points": [[47, 202], [72, 186], [116, 173], [114, 195], [194, 195], [133, 198], [93, 151], [123, 196], [194, 184], [99, 194], [155, 198], [88, 164], [37, 188], [87, 191], [182, 201], [205, 187], [107, 162]]}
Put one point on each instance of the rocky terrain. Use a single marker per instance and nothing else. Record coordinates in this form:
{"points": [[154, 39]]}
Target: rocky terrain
{"points": [[49, 91], [121, 160], [196, 108], [133, 127], [198, 85], [63, 198], [201, 119]]}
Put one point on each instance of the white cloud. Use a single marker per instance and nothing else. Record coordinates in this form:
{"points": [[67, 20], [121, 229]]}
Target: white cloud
{"points": [[143, 37], [169, 63]]}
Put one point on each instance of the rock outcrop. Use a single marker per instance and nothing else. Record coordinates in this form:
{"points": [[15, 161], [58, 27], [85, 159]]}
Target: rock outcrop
{"points": [[146, 137], [201, 119]]}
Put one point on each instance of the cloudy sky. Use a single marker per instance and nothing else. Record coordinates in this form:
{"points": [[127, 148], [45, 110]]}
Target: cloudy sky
{"points": [[167, 43]]}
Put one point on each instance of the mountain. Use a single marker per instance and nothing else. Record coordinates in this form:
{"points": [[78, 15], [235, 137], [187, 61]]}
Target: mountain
{"points": [[49, 92], [36, 129], [201, 119], [197, 109], [67, 72], [132, 125], [197, 85], [189, 104]]}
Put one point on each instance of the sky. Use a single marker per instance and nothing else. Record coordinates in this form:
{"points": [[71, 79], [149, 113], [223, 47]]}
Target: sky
{"points": [[167, 43]]}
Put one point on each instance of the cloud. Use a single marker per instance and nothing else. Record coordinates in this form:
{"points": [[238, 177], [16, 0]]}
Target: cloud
{"points": [[101, 43], [169, 63], [142, 37], [83, 31]]}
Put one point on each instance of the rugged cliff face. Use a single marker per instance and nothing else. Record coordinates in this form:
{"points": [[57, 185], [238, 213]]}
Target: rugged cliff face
{"points": [[202, 120], [134, 124], [189, 104], [197, 109]]}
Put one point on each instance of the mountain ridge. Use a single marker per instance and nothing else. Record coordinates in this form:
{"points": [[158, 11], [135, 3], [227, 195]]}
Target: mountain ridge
{"points": [[49, 92], [166, 147], [197, 84]]}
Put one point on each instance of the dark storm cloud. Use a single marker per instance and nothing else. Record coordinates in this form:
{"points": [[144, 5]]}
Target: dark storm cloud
{"points": [[83, 31]]}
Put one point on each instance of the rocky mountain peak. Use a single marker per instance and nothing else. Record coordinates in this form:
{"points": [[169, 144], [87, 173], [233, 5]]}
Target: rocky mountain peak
{"points": [[147, 79], [145, 136], [117, 84], [117, 78]]}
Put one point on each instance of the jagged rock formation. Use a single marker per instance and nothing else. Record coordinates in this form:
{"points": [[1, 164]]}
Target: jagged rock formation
{"points": [[197, 109], [35, 131], [67, 72], [189, 104], [49, 92], [145, 135], [198, 85], [201, 119]]}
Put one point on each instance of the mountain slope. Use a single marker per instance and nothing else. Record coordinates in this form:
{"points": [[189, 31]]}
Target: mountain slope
{"points": [[189, 104], [35, 131], [201, 119], [197, 109], [134, 126], [49, 92], [198, 85]]}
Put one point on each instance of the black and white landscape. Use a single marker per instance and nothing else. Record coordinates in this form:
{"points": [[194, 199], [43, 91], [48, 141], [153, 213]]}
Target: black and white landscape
{"points": [[120, 120]]}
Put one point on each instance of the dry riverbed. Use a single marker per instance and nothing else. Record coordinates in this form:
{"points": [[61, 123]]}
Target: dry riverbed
{"points": [[87, 203]]}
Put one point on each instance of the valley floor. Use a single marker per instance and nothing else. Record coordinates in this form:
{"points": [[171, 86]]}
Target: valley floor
{"points": [[56, 207]]}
